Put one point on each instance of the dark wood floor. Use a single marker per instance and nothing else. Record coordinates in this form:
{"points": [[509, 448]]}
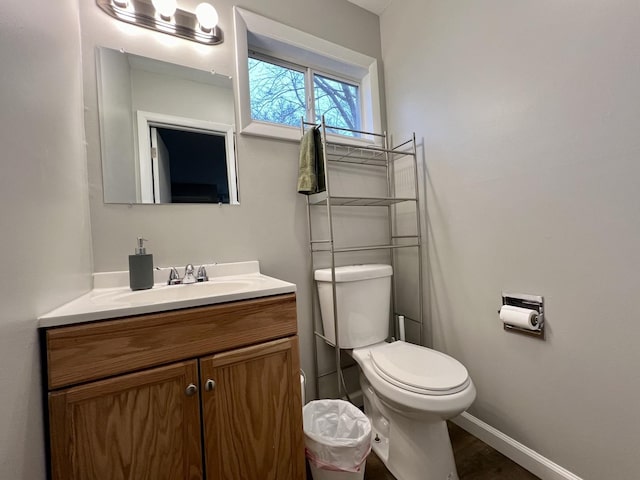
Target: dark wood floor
{"points": [[475, 460]]}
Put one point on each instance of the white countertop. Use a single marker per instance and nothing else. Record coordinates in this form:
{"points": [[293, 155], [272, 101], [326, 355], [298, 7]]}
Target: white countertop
{"points": [[112, 297]]}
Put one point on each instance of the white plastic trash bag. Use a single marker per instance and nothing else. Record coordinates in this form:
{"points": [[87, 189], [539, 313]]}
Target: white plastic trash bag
{"points": [[337, 435]]}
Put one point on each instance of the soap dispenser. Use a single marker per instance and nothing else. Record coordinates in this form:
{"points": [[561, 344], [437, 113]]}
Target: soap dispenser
{"points": [[141, 268]]}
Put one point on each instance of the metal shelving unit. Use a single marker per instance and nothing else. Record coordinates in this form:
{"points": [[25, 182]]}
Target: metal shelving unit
{"points": [[372, 151]]}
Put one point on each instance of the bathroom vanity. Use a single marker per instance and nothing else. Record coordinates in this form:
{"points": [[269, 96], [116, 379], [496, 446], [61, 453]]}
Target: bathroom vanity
{"points": [[208, 391]]}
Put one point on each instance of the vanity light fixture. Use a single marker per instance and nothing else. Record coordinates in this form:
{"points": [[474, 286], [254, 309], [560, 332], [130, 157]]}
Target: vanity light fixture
{"points": [[164, 16], [165, 8], [207, 17]]}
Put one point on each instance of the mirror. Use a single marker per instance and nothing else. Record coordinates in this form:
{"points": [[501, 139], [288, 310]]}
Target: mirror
{"points": [[166, 131]]}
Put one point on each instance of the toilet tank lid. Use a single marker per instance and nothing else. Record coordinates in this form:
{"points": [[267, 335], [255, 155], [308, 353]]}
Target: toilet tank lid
{"points": [[352, 273]]}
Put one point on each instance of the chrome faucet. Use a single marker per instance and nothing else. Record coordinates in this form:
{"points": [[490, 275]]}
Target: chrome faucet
{"points": [[202, 276], [189, 277], [174, 277]]}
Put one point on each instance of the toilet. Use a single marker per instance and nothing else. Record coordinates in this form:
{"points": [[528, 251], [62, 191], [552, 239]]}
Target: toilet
{"points": [[409, 391]]}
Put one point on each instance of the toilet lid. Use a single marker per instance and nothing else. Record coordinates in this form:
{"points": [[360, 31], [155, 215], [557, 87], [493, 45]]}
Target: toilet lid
{"points": [[419, 369]]}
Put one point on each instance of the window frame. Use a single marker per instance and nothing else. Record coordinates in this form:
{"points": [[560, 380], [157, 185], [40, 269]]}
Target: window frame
{"points": [[254, 32], [310, 74]]}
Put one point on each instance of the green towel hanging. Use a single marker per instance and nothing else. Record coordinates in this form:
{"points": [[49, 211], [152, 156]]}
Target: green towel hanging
{"points": [[311, 168]]}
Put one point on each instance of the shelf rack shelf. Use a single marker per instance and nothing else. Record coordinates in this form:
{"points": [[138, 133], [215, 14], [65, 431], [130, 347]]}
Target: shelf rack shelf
{"points": [[342, 201], [362, 248], [372, 150]]}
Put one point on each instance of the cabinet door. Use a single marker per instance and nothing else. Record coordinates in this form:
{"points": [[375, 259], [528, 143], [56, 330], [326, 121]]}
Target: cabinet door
{"points": [[253, 414], [145, 425]]}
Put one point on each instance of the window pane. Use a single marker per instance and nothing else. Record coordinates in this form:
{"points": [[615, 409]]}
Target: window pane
{"points": [[339, 102], [276, 92]]}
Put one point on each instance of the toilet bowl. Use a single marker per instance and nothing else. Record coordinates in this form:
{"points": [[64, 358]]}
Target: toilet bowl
{"points": [[409, 391]]}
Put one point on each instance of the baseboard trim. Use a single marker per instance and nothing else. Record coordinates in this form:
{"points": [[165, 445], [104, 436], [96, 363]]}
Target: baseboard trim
{"points": [[519, 453]]}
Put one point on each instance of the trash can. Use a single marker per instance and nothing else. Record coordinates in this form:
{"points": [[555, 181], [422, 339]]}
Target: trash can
{"points": [[337, 439]]}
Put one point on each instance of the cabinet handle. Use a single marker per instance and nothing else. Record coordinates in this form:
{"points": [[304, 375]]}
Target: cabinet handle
{"points": [[209, 385], [191, 390]]}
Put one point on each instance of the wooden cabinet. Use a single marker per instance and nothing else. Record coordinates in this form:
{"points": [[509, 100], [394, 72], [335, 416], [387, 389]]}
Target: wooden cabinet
{"points": [[251, 419], [209, 392], [141, 425]]}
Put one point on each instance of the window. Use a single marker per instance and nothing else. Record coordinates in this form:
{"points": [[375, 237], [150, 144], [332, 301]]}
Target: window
{"points": [[338, 101], [278, 94], [284, 74]]}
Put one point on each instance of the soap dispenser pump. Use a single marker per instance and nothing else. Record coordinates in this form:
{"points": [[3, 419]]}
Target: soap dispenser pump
{"points": [[141, 268]]}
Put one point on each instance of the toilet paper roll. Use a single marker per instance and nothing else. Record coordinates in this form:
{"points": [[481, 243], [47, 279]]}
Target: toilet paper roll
{"points": [[519, 317]]}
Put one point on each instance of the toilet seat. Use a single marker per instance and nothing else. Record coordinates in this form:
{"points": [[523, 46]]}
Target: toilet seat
{"points": [[419, 369]]}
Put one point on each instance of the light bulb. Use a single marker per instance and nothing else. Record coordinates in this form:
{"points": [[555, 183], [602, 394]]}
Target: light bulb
{"points": [[166, 8], [207, 16]]}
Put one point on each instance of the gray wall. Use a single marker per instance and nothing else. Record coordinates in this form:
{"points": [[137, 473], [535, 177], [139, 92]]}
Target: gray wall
{"points": [[529, 116], [117, 127], [153, 92], [44, 211], [270, 223]]}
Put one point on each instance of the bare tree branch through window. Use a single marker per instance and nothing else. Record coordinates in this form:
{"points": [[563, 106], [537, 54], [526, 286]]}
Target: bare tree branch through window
{"points": [[278, 95]]}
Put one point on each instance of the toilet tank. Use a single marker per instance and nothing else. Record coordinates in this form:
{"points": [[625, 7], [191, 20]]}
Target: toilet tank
{"points": [[363, 295]]}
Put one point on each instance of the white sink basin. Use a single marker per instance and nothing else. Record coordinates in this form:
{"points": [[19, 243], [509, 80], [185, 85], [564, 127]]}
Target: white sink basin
{"points": [[173, 293]]}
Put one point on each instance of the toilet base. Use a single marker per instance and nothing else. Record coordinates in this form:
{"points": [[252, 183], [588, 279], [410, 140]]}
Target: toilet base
{"points": [[319, 474], [412, 448]]}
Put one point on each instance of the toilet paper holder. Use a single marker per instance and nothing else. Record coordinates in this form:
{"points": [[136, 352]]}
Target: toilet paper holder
{"points": [[531, 302]]}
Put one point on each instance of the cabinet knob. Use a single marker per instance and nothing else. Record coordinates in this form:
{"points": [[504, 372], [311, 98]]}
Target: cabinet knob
{"points": [[209, 385], [191, 390]]}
